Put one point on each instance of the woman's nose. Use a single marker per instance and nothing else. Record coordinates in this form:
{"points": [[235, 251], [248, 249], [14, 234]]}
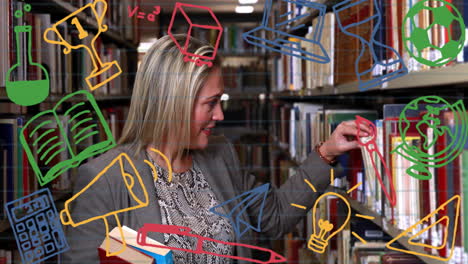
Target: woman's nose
{"points": [[218, 114]]}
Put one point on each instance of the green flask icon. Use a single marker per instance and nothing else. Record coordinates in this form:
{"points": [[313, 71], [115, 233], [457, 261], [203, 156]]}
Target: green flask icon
{"points": [[33, 87]]}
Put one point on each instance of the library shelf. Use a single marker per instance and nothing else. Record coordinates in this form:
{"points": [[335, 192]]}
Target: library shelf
{"points": [[64, 8], [56, 195], [391, 230], [449, 77], [445, 76]]}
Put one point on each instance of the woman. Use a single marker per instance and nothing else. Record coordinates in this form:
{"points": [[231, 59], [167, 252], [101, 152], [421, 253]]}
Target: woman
{"points": [[174, 107]]}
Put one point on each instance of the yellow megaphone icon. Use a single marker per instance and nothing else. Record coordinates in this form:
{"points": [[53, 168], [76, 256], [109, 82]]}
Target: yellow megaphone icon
{"points": [[132, 182]]}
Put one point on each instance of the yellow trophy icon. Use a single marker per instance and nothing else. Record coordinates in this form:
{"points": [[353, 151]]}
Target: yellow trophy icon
{"points": [[102, 72]]}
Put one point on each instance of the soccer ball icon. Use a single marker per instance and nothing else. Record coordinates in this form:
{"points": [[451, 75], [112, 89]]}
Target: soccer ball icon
{"points": [[418, 41]]}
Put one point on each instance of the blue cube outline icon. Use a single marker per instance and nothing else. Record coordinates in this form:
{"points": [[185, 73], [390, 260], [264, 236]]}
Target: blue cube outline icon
{"points": [[33, 250], [279, 44]]}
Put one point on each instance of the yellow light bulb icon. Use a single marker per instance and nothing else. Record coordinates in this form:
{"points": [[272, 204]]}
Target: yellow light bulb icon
{"points": [[323, 229]]}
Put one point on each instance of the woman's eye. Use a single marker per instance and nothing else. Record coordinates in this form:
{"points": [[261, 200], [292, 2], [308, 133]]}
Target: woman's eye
{"points": [[213, 103]]}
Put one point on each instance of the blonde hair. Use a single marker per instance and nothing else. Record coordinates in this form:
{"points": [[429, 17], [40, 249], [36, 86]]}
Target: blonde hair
{"points": [[164, 94]]}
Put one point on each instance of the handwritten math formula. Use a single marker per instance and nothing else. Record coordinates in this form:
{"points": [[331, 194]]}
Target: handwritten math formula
{"points": [[141, 15]]}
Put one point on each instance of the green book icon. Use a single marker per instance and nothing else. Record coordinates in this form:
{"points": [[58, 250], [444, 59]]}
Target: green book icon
{"points": [[49, 136]]}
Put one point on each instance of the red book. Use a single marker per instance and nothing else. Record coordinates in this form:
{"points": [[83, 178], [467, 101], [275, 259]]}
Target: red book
{"points": [[293, 250], [129, 255], [400, 10], [109, 260]]}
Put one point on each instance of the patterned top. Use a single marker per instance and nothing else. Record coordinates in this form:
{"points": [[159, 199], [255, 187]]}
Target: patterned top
{"points": [[186, 202]]}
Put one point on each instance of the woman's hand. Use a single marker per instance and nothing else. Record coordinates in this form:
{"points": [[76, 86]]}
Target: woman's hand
{"points": [[343, 139]]}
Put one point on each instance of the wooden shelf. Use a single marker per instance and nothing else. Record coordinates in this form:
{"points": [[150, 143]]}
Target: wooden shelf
{"points": [[446, 76], [387, 227], [452, 76], [57, 196], [64, 8]]}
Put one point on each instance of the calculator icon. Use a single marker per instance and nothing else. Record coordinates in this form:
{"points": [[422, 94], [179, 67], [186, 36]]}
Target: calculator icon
{"points": [[36, 226]]}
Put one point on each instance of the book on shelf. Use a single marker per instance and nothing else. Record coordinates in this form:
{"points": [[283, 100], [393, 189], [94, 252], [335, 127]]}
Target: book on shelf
{"points": [[17, 179]]}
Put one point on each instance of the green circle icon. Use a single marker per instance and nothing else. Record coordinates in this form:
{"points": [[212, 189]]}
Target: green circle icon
{"points": [[27, 7], [18, 13], [427, 154], [417, 36]]}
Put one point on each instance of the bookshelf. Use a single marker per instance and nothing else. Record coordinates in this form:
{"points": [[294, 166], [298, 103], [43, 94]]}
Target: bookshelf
{"points": [[61, 7], [413, 82], [449, 82]]}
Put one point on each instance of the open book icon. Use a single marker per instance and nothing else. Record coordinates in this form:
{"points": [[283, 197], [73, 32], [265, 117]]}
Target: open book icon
{"points": [[55, 143]]}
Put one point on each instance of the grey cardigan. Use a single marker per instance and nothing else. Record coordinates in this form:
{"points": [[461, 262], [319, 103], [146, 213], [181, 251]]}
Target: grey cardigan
{"points": [[220, 166]]}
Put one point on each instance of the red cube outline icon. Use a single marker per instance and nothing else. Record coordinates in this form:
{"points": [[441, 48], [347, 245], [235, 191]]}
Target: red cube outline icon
{"points": [[200, 59]]}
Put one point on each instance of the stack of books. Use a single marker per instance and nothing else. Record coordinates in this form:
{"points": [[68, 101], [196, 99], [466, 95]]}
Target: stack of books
{"points": [[133, 252]]}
